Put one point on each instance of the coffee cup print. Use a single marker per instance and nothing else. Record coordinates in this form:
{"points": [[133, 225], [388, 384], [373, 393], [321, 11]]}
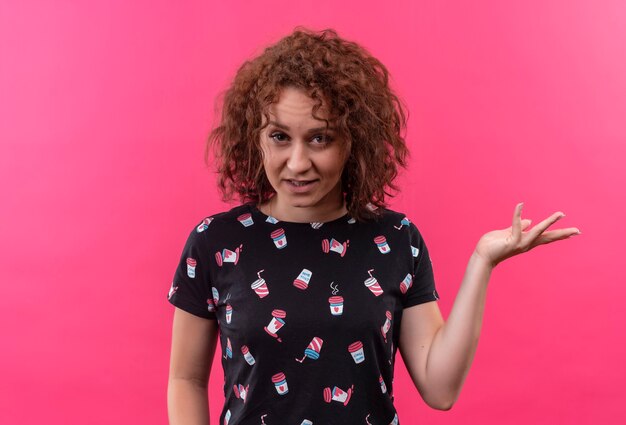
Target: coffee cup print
{"points": [[313, 350], [385, 328], [336, 305], [414, 251], [228, 350], [394, 421], [204, 225], [337, 394], [191, 267], [276, 323], [271, 219], [316, 225], [303, 279], [372, 284], [306, 422], [210, 305], [279, 238], [216, 296], [259, 286], [241, 391], [227, 417], [247, 355], [406, 283], [351, 221], [228, 256], [335, 246], [381, 243], [383, 387], [404, 222], [229, 313], [246, 220], [172, 291], [280, 382], [356, 350]]}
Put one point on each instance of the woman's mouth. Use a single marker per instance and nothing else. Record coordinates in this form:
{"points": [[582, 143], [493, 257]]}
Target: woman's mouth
{"points": [[300, 185]]}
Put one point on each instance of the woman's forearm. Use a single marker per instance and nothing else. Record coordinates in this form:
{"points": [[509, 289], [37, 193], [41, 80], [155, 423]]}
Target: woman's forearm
{"points": [[454, 345], [187, 402]]}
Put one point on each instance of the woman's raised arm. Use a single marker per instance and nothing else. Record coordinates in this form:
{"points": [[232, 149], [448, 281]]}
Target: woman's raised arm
{"points": [[438, 355]]}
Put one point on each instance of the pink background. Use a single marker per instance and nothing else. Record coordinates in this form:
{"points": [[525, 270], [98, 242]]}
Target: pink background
{"points": [[104, 110]]}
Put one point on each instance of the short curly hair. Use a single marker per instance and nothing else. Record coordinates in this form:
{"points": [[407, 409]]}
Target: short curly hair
{"points": [[365, 110]]}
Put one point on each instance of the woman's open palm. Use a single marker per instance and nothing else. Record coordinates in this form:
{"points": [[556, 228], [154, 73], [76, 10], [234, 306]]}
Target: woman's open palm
{"points": [[498, 245]]}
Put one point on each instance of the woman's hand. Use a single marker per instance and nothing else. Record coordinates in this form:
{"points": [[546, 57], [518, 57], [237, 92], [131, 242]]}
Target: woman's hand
{"points": [[498, 245]]}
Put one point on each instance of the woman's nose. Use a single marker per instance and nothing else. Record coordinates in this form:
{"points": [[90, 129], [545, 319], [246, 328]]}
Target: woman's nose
{"points": [[298, 161]]}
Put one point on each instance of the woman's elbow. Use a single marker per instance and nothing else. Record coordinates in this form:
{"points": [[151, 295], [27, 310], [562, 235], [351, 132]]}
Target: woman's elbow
{"points": [[441, 403]]}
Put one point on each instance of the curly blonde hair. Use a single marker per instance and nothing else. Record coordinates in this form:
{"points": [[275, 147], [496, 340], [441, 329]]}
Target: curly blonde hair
{"points": [[364, 109]]}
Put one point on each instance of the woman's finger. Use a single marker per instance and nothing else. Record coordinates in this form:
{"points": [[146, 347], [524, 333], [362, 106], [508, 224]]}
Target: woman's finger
{"points": [[555, 235], [543, 225], [517, 221]]}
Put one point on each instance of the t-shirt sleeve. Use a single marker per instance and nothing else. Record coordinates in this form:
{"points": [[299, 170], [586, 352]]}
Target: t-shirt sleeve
{"points": [[191, 290], [422, 288]]}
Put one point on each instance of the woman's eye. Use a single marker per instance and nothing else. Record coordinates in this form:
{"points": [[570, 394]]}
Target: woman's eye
{"points": [[278, 137], [320, 139]]}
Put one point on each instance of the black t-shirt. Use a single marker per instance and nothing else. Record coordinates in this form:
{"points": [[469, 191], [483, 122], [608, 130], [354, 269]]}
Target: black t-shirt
{"points": [[309, 313]]}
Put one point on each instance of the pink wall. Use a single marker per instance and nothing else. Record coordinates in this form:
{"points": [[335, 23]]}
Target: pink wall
{"points": [[104, 108]]}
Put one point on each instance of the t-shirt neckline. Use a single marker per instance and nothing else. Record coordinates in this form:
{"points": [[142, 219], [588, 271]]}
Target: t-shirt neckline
{"points": [[255, 210]]}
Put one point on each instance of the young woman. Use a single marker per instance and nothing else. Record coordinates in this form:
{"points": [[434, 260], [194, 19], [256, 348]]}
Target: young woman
{"points": [[312, 282]]}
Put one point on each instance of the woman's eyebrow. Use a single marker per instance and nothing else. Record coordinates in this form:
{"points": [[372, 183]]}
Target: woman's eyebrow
{"points": [[311, 130]]}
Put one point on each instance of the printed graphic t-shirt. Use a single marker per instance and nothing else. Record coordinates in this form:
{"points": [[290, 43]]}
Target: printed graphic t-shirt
{"points": [[309, 313]]}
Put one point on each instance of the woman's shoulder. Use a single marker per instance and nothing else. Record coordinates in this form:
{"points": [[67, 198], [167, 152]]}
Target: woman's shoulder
{"points": [[222, 219], [388, 216]]}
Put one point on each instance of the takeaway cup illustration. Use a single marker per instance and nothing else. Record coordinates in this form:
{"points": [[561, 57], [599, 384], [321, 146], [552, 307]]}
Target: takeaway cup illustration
{"points": [[414, 251], [172, 291], [381, 243], [313, 350], [316, 225], [271, 219], [276, 324], [229, 350], [210, 305], [216, 296], [336, 305], [246, 219], [247, 355], [306, 422], [303, 279], [394, 420], [406, 283], [335, 246], [337, 394], [356, 350], [385, 328], [372, 284], [404, 222], [279, 238], [228, 256], [227, 417], [241, 391], [191, 267], [280, 382], [204, 225], [383, 387], [229, 313], [259, 286]]}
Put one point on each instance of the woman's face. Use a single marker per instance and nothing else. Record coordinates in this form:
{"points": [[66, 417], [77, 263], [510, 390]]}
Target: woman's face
{"points": [[303, 162]]}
